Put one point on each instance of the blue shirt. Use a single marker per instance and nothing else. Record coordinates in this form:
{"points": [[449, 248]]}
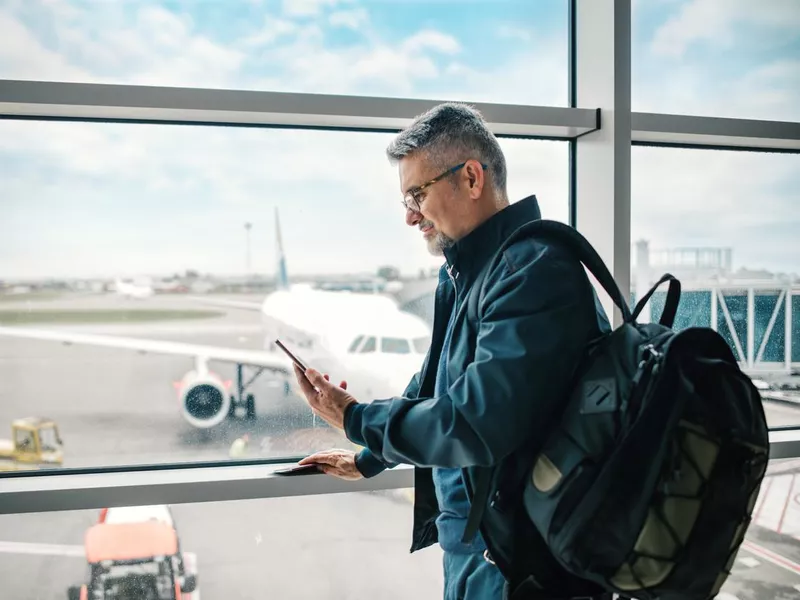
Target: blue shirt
{"points": [[451, 493]]}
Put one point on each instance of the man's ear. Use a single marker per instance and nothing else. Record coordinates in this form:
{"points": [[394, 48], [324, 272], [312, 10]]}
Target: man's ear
{"points": [[475, 178]]}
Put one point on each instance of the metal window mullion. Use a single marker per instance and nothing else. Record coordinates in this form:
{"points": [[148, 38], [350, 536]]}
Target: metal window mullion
{"points": [[66, 491], [787, 340], [137, 104], [751, 326], [689, 131], [85, 491], [714, 308], [603, 157]]}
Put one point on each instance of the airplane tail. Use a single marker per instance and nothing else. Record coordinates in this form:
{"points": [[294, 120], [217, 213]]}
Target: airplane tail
{"points": [[281, 276]]}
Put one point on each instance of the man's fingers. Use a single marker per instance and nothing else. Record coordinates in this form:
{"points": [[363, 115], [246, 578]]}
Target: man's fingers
{"points": [[305, 384], [343, 385], [327, 377], [318, 459]]}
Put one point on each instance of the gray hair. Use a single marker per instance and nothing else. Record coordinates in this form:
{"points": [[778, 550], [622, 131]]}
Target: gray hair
{"points": [[451, 133]]}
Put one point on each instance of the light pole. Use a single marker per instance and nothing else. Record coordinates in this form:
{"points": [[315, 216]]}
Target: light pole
{"points": [[247, 228]]}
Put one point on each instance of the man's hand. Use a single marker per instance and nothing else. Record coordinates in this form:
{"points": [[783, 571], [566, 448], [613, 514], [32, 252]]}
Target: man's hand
{"points": [[339, 463], [324, 398]]}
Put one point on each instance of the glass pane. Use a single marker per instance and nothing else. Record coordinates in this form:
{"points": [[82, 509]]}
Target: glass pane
{"points": [[732, 322], [694, 309], [717, 58], [355, 343], [511, 51], [770, 327], [369, 346], [222, 235], [725, 223], [322, 547]]}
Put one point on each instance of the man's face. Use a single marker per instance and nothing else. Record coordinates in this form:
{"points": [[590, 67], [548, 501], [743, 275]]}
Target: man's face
{"points": [[439, 203]]}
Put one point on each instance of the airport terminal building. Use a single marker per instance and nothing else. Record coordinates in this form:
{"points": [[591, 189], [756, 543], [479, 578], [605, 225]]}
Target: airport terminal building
{"points": [[758, 313]]}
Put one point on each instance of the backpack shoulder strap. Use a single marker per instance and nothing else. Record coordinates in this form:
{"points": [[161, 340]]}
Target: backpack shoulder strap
{"points": [[583, 251]]}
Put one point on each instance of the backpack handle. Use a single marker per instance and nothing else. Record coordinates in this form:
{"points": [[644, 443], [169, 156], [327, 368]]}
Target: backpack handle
{"points": [[670, 306]]}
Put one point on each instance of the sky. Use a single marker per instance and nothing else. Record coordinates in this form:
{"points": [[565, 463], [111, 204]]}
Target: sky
{"points": [[102, 200]]}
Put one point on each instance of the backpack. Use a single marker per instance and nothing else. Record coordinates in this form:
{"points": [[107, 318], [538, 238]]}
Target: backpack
{"points": [[647, 483]]}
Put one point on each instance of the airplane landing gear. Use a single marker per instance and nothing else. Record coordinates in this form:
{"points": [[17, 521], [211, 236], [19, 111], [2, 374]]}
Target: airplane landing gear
{"points": [[242, 400], [250, 407]]}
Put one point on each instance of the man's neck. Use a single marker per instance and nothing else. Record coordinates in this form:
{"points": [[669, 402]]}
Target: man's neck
{"points": [[485, 210]]}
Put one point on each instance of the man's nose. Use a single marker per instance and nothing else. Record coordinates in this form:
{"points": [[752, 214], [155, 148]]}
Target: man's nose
{"points": [[413, 217]]}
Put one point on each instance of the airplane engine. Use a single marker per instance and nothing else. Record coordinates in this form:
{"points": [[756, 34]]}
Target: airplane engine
{"points": [[204, 399]]}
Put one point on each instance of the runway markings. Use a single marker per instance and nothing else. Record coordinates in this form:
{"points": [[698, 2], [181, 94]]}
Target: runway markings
{"points": [[73, 551], [778, 505], [748, 561], [770, 556]]}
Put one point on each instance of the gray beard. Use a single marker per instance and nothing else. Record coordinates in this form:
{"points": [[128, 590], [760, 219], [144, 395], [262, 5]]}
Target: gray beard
{"points": [[438, 243]]}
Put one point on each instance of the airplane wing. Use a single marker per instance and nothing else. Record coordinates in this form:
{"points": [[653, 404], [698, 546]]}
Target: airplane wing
{"points": [[256, 358], [222, 303]]}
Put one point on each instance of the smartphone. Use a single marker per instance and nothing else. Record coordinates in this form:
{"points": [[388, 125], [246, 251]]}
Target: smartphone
{"points": [[299, 470], [295, 360]]}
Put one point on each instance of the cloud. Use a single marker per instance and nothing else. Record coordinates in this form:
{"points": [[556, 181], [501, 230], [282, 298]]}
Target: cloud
{"points": [[435, 40], [306, 8], [715, 22], [513, 32], [272, 31], [350, 19], [22, 56]]}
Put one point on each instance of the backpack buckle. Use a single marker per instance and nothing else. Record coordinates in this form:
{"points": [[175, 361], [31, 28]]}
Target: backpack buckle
{"points": [[488, 557]]}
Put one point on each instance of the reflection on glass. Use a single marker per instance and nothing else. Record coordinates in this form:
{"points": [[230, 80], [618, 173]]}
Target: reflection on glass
{"points": [[725, 224], [170, 259]]}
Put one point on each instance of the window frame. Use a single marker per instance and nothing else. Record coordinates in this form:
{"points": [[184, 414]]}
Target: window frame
{"points": [[598, 124]]}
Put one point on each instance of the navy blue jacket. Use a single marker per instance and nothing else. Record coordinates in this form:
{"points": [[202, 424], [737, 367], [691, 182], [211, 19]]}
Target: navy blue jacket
{"points": [[509, 374]]}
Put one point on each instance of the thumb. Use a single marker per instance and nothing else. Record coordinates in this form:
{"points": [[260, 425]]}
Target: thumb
{"points": [[317, 379]]}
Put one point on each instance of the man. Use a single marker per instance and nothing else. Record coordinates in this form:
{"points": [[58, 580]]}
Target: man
{"points": [[487, 392]]}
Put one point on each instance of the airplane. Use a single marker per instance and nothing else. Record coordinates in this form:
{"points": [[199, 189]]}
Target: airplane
{"points": [[364, 339], [132, 289]]}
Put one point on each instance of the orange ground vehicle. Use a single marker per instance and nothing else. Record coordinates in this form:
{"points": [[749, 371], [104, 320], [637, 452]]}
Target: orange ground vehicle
{"points": [[132, 561]]}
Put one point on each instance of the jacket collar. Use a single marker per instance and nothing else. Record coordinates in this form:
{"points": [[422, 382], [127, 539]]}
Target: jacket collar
{"points": [[467, 256]]}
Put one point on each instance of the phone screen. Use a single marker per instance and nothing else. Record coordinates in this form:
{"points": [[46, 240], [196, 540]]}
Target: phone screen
{"points": [[296, 360]]}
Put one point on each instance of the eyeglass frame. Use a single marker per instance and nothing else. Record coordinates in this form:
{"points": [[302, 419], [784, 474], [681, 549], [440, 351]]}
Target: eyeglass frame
{"points": [[411, 195]]}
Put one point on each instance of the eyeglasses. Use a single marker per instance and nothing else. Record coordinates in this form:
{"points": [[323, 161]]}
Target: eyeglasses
{"points": [[412, 200]]}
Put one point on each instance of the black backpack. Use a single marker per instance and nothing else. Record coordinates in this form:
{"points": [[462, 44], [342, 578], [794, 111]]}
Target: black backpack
{"points": [[647, 483]]}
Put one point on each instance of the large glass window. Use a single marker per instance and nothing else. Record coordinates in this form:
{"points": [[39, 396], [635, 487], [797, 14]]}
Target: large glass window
{"points": [[725, 223], [511, 51], [719, 58], [158, 255]]}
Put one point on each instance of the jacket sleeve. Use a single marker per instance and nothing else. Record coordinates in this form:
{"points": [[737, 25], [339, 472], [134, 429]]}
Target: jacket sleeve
{"points": [[370, 464], [535, 323]]}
